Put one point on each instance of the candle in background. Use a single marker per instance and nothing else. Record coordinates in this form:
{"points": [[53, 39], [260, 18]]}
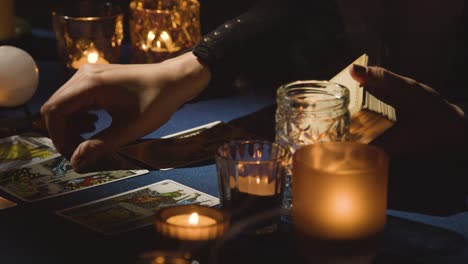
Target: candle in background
{"points": [[88, 32], [340, 194], [92, 56], [7, 19], [162, 29]]}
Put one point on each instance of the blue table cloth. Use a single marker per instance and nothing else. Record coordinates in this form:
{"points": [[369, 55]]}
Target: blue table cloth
{"points": [[31, 232]]}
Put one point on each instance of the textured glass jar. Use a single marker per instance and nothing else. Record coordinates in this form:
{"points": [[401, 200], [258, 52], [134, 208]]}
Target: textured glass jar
{"points": [[309, 112], [162, 29]]}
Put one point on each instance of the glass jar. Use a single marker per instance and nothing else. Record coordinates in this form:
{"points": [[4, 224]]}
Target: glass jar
{"points": [[309, 112]]}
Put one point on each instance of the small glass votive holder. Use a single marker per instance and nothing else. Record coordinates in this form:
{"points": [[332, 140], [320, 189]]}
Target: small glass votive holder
{"points": [[340, 199], [88, 32], [251, 179], [191, 222], [309, 112], [162, 29]]}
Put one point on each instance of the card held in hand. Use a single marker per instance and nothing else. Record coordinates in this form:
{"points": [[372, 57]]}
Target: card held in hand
{"points": [[370, 117], [184, 148]]}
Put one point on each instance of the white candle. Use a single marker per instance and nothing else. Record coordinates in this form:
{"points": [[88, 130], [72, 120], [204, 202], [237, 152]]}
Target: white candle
{"points": [[255, 185], [193, 219], [7, 19], [191, 222]]}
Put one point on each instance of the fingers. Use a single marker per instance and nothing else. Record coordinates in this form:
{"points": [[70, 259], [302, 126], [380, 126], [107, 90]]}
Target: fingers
{"points": [[389, 87], [90, 152], [124, 129], [58, 113]]}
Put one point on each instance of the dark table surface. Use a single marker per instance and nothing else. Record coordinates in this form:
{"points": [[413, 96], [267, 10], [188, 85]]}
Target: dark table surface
{"points": [[33, 233]]}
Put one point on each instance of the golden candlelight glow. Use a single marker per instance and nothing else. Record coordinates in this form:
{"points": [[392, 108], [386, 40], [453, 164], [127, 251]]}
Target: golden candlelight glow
{"points": [[339, 196], [151, 36], [256, 185], [193, 219], [165, 37], [93, 57], [191, 222]]}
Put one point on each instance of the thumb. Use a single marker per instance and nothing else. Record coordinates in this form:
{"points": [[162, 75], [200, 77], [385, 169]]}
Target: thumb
{"points": [[387, 86], [96, 149]]}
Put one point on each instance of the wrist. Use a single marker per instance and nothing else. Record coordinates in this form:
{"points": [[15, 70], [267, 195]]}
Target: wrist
{"points": [[190, 76]]}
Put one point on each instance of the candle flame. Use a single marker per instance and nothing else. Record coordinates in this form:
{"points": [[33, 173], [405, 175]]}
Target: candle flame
{"points": [[165, 37], [158, 44], [93, 57], [151, 36], [258, 180], [193, 219]]}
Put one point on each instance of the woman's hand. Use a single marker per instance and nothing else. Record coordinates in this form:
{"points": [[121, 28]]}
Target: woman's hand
{"points": [[139, 98], [426, 121]]}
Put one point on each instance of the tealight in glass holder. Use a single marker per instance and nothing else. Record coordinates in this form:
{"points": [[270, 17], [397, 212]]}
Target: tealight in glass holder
{"points": [[340, 200], [88, 32], [161, 29], [191, 223], [251, 178]]}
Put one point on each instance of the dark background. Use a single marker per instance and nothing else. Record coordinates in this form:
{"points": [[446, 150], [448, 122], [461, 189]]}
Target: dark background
{"points": [[425, 40]]}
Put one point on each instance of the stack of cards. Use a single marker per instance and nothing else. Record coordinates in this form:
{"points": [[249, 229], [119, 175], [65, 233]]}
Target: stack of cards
{"points": [[370, 117]]}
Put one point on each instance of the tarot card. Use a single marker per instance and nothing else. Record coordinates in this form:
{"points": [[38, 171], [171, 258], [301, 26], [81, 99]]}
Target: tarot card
{"points": [[21, 150], [192, 131], [55, 177], [185, 148], [135, 208], [5, 203]]}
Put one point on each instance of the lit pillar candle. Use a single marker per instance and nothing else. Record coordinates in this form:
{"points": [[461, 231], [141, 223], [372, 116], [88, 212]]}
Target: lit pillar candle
{"points": [[340, 191], [7, 19]]}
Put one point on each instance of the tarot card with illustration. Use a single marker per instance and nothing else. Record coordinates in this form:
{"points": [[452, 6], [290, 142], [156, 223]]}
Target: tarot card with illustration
{"points": [[23, 150], [135, 208], [55, 177]]}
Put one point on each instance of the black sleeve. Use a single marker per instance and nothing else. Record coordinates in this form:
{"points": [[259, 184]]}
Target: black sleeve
{"points": [[271, 32]]}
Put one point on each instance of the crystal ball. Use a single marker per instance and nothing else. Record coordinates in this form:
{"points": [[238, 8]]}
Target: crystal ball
{"points": [[19, 76]]}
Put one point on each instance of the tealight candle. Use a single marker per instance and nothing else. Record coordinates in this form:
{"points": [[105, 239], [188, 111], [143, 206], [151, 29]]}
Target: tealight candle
{"points": [[192, 219], [191, 222], [89, 56], [251, 176], [256, 185]]}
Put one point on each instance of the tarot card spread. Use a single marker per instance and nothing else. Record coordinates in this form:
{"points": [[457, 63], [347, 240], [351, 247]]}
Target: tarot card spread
{"points": [[134, 209], [19, 151], [35, 171]]}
